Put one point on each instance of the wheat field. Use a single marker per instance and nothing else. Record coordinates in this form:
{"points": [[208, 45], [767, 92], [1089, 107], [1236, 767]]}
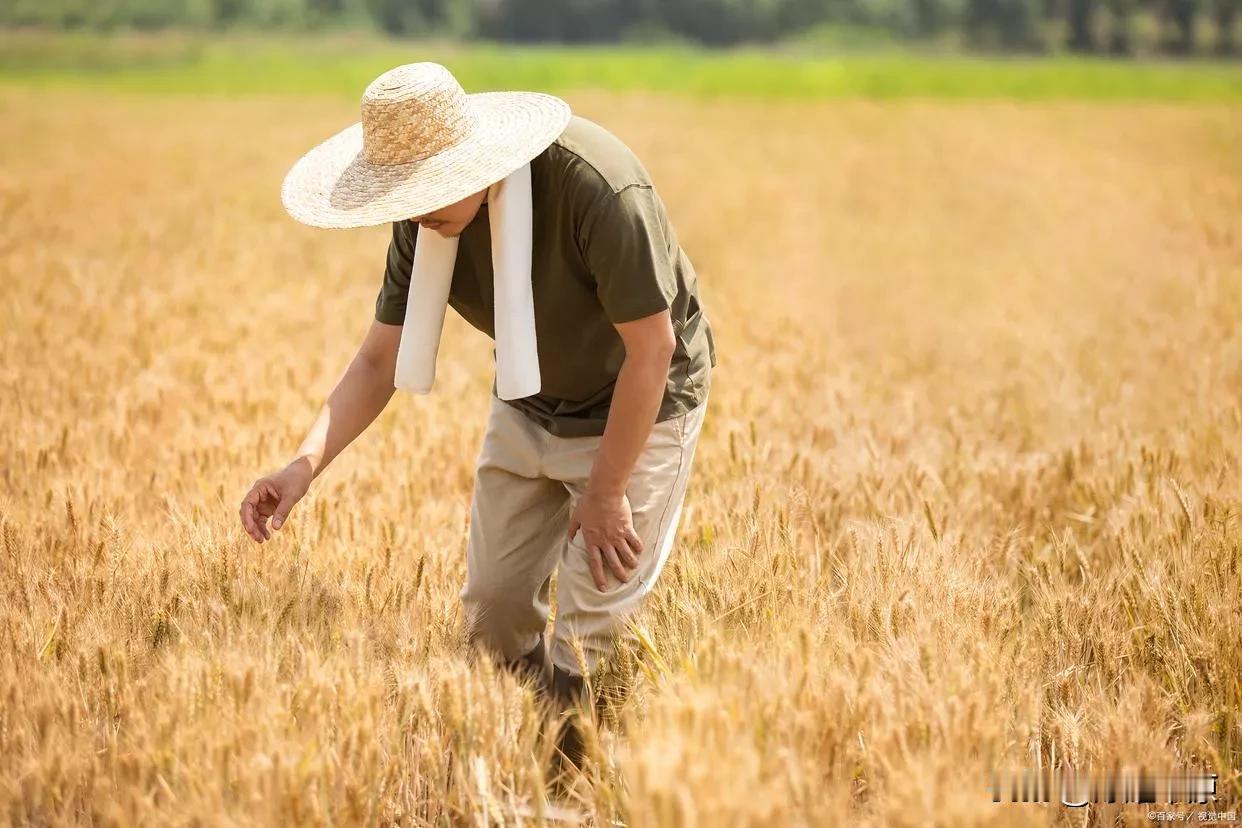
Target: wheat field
{"points": [[967, 495]]}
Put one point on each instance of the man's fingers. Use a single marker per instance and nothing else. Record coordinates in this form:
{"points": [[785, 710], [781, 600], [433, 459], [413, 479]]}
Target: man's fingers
{"points": [[264, 508], [597, 569], [635, 542], [263, 501], [271, 495], [282, 511], [246, 512], [626, 553], [614, 563], [248, 518]]}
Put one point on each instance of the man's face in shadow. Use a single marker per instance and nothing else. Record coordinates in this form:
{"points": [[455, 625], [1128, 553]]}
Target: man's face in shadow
{"points": [[452, 220]]}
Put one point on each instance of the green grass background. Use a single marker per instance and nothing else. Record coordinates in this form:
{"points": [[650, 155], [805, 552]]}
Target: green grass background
{"points": [[343, 64]]}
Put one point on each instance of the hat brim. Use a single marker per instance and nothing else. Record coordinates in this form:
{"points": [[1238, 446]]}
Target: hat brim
{"points": [[334, 186]]}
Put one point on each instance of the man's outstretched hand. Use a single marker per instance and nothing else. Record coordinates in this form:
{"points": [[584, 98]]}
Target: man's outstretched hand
{"points": [[273, 496]]}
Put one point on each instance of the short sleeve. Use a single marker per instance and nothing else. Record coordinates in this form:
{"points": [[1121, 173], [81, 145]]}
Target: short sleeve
{"points": [[627, 250], [390, 304]]}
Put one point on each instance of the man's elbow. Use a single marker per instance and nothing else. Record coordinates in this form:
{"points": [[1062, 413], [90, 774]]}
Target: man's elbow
{"points": [[378, 353], [649, 340], [656, 351], [667, 347]]}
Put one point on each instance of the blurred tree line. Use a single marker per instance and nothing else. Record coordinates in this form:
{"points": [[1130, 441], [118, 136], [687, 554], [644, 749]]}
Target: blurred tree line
{"points": [[1119, 27]]}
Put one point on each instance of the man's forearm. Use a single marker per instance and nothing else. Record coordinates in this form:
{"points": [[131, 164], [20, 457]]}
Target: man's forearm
{"points": [[358, 398], [636, 399]]}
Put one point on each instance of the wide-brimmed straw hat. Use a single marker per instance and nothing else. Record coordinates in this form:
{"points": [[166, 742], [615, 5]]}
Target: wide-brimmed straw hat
{"points": [[422, 144]]}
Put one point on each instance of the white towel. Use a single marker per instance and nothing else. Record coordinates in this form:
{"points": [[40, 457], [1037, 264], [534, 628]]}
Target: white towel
{"points": [[517, 357]]}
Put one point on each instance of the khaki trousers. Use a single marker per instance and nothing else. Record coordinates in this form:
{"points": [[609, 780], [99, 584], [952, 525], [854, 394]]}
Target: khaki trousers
{"points": [[527, 484]]}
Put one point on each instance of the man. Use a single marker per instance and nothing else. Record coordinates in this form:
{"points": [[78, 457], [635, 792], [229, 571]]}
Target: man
{"points": [[589, 473]]}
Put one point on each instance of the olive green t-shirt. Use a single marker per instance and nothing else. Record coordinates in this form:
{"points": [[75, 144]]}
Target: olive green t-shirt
{"points": [[603, 252]]}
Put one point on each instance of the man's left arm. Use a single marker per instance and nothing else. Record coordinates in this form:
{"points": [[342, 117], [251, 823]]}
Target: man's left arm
{"points": [[603, 512], [633, 259]]}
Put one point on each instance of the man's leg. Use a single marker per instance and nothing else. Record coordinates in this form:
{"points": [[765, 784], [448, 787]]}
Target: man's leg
{"points": [[656, 490], [517, 521]]}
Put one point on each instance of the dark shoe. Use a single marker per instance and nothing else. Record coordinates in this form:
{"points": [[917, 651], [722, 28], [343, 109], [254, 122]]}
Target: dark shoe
{"points": [[534, 667], [568, 688], [569, 694]]}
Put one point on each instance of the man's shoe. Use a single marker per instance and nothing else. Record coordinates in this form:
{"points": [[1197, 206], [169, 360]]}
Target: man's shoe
{"points": [[534, 667], [570, 697]]}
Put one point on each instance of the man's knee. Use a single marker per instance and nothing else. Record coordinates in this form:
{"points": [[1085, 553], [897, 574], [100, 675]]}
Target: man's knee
{"points": [[501, 619]]}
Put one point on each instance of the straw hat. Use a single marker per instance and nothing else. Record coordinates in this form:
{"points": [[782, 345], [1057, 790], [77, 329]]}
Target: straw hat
{"points": [[422, 144]]}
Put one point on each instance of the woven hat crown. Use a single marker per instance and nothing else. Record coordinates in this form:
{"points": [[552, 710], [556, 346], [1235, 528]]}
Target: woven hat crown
{"points": [[413, 112]]}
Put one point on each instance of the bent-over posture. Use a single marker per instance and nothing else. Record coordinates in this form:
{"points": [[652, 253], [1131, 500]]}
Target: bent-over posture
{"points": [[587, 470]]}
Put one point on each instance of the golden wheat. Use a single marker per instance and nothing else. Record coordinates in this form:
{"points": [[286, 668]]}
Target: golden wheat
{"points": [[967, 497]]}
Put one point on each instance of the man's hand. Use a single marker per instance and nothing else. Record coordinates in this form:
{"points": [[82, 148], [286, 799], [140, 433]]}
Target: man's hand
{"points": [[358, 398], [608, 534], [274, 496]]}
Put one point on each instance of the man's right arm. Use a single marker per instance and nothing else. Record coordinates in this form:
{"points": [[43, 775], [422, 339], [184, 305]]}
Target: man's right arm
{"points": [[360, 395], [367, 385], [358, 398]]}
